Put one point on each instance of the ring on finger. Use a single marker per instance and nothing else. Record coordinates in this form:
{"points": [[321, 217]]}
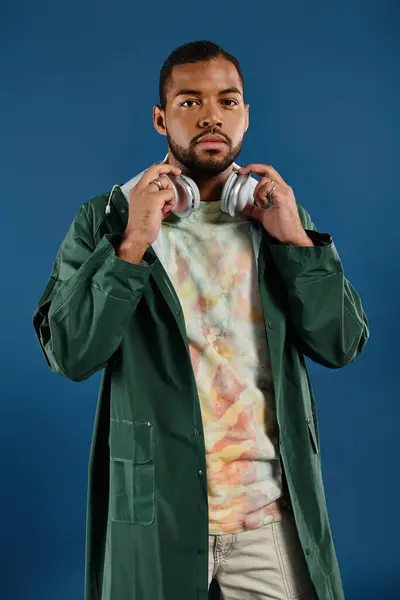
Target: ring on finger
{"points": [[157, 183], [271, 192]]}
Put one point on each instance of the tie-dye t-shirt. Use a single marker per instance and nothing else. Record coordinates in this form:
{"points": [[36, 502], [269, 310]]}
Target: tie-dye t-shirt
{"points": [[210, 260]]}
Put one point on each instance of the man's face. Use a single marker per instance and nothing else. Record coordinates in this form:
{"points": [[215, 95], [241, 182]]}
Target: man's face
{"points": [[202, 99]]}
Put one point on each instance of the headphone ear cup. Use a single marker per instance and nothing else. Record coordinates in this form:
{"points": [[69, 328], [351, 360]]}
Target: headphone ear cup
{"points": [[236, 194], [226, 190], [187, 195]]}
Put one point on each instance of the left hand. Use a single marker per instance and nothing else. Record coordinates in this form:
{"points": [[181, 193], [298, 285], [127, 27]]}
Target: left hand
{"points": [[280, 217]]}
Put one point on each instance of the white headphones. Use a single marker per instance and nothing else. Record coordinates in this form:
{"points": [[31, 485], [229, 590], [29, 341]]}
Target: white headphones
{"points": [[236, 193]]}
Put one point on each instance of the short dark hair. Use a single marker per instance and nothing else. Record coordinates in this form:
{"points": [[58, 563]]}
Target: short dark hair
{"points": [[202, 51]]}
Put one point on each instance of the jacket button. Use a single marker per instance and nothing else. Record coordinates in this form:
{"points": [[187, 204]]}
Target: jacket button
{"points": [[271, 324], [178, 313], [308, 551], [200, 472], [201, 551], [196, 432]]}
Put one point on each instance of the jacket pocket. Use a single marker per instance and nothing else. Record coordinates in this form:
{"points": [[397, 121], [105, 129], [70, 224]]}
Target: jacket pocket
{"points": [[132, 472]]}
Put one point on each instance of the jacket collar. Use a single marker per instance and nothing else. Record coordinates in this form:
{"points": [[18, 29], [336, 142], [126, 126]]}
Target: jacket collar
{"points": [[119, 197]]}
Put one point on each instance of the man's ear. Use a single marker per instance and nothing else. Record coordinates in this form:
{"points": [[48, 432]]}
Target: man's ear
{"points": [[159, 119], [247, 107]]}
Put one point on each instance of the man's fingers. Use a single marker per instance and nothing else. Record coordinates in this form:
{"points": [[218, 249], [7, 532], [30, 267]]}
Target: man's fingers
{"points": [[262, 170], [254, 212], [165, 182], [156, 170], [262, 189]]}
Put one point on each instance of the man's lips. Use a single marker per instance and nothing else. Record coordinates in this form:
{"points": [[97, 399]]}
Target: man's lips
{"points": [[212, 139], [212, 142]]}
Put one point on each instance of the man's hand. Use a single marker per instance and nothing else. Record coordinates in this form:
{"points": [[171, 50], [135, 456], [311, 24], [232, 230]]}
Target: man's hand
{"points": [[279, 217], [149, 205]]}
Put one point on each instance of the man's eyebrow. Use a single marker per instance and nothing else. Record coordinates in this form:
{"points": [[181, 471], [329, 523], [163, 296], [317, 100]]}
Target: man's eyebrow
{"points": [[187, 92]]}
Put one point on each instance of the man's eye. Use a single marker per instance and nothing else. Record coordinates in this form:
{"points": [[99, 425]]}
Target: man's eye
{"points": [[233, 102]]}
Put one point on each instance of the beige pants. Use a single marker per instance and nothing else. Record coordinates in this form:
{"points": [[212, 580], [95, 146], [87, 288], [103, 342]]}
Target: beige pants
{"points": [[263, 564]]}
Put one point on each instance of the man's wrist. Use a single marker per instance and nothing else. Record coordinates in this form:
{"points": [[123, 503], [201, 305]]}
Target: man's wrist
{"points": [[303, 241], [131, 251]]}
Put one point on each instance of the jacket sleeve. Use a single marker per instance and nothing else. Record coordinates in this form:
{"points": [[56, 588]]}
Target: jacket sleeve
{"points": [[325, 308], [88, 302]]}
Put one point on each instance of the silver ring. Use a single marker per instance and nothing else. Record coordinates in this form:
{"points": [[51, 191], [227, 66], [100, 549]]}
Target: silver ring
{"points": [[270, 193], [158, 184]]}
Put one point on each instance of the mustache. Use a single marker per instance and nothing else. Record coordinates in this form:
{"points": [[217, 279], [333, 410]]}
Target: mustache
{"points": [[211, 132]]}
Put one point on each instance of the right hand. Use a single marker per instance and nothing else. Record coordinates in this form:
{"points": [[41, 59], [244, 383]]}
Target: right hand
{"points": [[149, 206]]}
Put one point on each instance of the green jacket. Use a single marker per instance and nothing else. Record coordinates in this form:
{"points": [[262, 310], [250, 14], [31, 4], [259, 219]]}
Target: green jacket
{"points": [[147, 515]]}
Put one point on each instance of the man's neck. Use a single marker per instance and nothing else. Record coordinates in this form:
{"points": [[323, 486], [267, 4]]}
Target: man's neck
{"points": [[210, 188]]}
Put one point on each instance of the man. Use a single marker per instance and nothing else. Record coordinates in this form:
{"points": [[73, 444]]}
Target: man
{"points": [[205, 456]]}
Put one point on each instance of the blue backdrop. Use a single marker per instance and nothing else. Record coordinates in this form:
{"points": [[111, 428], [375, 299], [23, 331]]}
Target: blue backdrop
{"points": [[77, 84]]}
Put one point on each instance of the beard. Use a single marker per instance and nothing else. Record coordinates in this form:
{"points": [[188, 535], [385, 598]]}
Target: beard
{"points": [[212, 162]]}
